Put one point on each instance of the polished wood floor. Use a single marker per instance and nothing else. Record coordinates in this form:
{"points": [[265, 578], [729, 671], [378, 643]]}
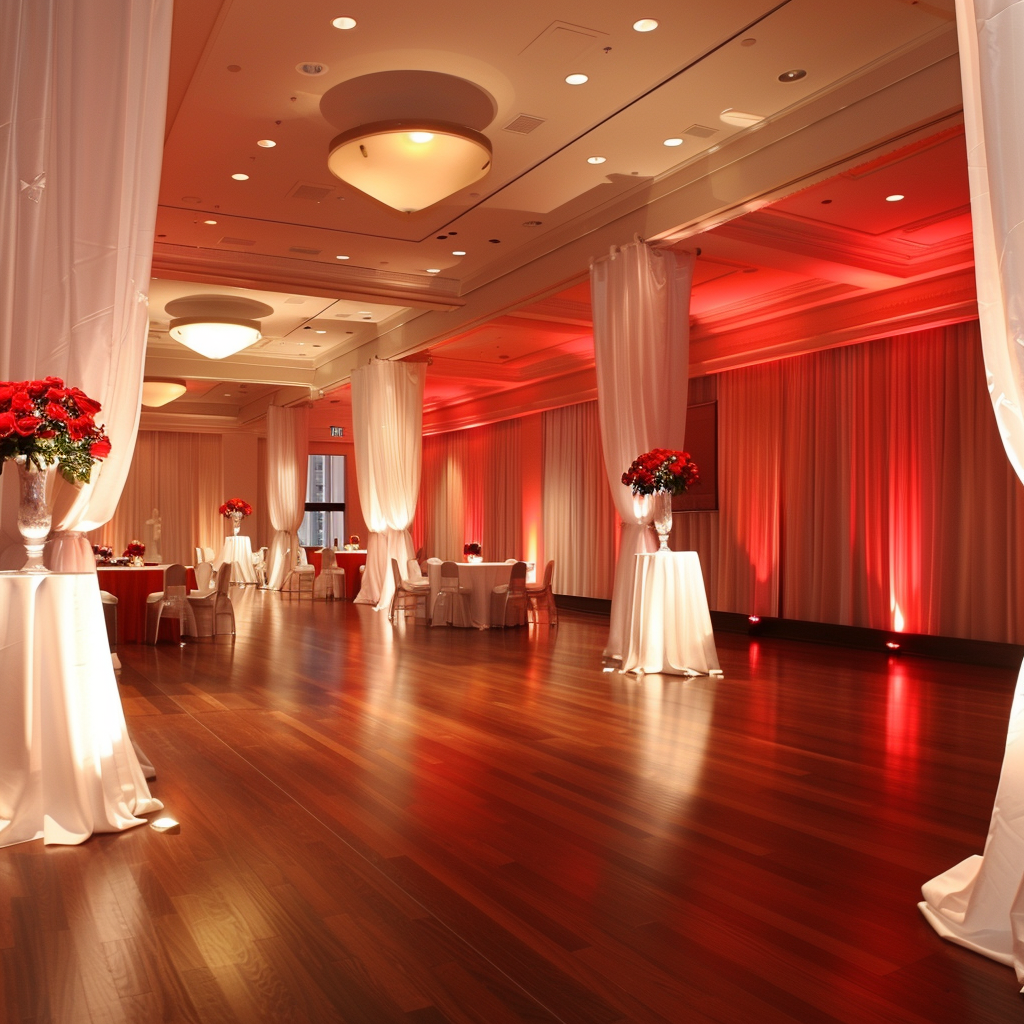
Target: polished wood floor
{"points": [[448, 825]]}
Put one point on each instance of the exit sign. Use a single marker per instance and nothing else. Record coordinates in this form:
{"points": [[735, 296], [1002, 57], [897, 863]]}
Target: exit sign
{"points": [[337, 431]]}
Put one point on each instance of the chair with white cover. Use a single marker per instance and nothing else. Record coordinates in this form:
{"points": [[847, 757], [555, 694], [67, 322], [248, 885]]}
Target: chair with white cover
{"points": [[508, 600], [170, 603], [415, 572], [208, 555], [204, 579], [331, 581], [451, 606], [213, 611], [302, 576], [540, 595], [110, 616], [407, 594], [199, 555]]}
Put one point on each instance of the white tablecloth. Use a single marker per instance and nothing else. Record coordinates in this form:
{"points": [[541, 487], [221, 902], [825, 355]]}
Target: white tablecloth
{"points": [[67, 766], [237, 551], [670, 629], [479, 577]]}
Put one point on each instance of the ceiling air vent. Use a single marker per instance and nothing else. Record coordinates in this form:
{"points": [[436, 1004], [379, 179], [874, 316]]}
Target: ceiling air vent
{"points": [[237, 241], [700, 131], [304, 252], [312, 192], [523, 124]]}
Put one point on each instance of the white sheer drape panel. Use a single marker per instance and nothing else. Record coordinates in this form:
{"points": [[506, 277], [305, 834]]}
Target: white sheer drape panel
{"points": [[180, 474], [979, 902], [387, 424], [471, 491], [80, 154], [287, 466], [580, 524], [641, 301], [750, 406]]}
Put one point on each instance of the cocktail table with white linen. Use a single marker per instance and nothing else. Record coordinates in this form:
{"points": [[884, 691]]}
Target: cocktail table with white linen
{"points": [[237, 551], [670, 626], [480, 578]]}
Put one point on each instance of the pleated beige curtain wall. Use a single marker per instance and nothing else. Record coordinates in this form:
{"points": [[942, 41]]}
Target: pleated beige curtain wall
{"points": [[471, 490], [979, 903], [76, 222], [641, 302], [181, 475], [387, 423], [287, 467], [580, 522]]}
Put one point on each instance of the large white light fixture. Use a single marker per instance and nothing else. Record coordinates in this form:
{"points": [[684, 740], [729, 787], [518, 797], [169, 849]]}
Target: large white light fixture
{"points": [[410, 165], [159, 392], [216, 326]]}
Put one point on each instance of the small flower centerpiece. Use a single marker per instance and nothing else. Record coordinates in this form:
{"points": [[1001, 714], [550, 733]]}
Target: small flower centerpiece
{"points": [[42, 424], [236, 510], [661, 473], [135, 552], [102, 552], [473, 551], [353, 543]]}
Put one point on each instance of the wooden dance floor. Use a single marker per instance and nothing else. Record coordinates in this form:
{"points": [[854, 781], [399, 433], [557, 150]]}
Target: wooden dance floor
{"points": [[482, 826]]}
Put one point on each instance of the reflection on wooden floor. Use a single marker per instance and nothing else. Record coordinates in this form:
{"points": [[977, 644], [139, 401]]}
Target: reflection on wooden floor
{"points": [[452, 825]]}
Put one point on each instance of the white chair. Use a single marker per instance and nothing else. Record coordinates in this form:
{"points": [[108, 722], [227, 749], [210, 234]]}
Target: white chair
{"points": [[415, 572], [213, 612], [407, 595], [204, 580], [331, 581], [508, 600], [199, 555], [171, 602], [451, 606], [208, 555], [110, 617], [540, 595], [302, 576]]}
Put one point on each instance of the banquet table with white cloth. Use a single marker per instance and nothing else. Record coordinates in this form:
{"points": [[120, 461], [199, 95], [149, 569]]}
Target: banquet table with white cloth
{"points": [[237, 552], [670, 625], [480, 578], [67, 766]]}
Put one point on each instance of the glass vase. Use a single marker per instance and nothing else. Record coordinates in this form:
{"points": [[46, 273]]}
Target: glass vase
{"points": [[34, 512], [663, 518], [236, 522]]}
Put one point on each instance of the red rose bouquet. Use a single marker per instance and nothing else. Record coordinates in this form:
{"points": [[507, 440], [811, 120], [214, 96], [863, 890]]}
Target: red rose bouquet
{"points": [[135, 549], [472, 549], [235, 505], [47, 422], [661, 470]]}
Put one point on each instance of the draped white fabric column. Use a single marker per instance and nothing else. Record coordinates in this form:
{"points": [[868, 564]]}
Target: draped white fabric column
{"points": [[387, 424], [979, 903], [641, 303], [287, 465], [85, 85]]}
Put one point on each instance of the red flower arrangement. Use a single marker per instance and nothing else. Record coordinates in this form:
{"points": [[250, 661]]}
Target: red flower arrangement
{"points": [[235, 505], [47, 422], [103, 551], [661, 470], [135, 549], [472, 548]]}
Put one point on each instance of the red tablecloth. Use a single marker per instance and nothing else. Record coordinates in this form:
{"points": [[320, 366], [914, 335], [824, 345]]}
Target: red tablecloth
{"points": [[130, 587], [347, 560]]}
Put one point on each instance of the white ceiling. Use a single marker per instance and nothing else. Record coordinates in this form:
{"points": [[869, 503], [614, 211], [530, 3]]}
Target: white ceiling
{"points": [[530, 225]]}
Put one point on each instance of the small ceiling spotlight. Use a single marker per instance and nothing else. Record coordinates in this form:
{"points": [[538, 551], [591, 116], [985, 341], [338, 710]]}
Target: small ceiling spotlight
{"points": [[266, 143], [344, 23], [576, 79], [596, 159], [645, 25], [433, 270], [894, 198], [342, 257], [672, 142], [240, 177], [793, 76], [458, 252], [209, 222]]}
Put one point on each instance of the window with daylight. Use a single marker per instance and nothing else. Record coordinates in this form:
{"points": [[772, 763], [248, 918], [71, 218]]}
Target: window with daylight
{"points": [[324, 521]]}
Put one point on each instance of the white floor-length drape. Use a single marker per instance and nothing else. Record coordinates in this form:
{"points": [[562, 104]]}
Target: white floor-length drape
{"points": [[287, 466], [387, 424], [979, 903], [82, 102], [641, 308]]}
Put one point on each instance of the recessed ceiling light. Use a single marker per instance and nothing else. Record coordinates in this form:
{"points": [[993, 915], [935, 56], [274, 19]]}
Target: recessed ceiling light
{"points": [[645, 25], [596, 159], [266, 143], [342, 257], [793, 76], [344, 23], [240, 177], [433, 270], [209, 222], [319, 332], [672, 142], [576, 79], [458, 252], [227, 394], [895, 198]]}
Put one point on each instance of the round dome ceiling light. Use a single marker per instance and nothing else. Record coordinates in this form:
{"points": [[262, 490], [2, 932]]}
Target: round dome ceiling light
{"points": [[596, 159], [156, 393], [672, 142], [576, 79], [240, 177], [266, 143], [344, 23], [793, 76], [216, 326], [645, 25]]}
